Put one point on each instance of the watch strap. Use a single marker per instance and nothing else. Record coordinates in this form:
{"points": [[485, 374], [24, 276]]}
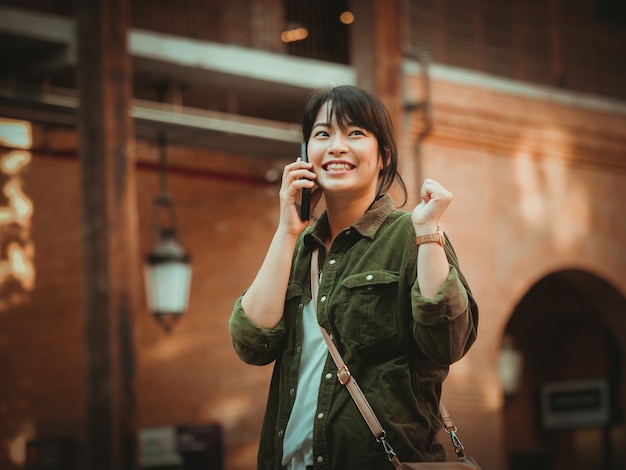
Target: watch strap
{"points": [[436, 237]]}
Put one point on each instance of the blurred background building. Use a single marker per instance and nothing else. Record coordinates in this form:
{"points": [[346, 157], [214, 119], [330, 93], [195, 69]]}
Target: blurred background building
{"points": [[517, 106]]}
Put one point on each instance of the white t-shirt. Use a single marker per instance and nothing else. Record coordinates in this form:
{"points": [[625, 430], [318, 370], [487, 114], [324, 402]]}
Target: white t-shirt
{"points": [[298, 442]]}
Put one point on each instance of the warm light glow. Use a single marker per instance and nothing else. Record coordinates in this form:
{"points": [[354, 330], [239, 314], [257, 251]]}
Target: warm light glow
{"points": [[15, 133], [346, 17], [14, 162], [21, 266], [462, 380], [16, 211], [17, 450], [229, 410], [548, 198], [293, 35], [17, 446], [20, 207]]}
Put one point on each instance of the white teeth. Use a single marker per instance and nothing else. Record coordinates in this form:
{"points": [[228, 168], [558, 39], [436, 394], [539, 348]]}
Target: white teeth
{"points": [[337, 166]]}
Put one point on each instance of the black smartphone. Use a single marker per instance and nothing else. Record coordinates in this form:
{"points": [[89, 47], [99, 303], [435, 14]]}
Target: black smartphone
{"points": [[305, 204]]}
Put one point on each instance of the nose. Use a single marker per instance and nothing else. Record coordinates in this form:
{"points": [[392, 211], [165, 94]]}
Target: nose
{"points": [[337, 145]]}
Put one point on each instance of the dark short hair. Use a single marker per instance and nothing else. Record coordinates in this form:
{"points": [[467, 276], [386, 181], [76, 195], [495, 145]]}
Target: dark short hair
{"points": [[351, 105]]}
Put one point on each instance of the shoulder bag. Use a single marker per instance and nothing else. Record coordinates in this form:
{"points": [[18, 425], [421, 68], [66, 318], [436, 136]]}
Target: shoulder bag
{"points": [[464, 462]]}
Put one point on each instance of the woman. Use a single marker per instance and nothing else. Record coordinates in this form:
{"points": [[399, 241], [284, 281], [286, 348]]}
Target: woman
{"points": [[390, 292]]}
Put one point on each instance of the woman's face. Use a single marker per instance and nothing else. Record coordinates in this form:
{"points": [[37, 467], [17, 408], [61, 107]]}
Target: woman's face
{"points": [[346, 161]]}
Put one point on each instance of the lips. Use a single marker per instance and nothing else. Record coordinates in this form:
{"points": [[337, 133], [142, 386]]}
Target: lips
{"points": [[338, 166]]}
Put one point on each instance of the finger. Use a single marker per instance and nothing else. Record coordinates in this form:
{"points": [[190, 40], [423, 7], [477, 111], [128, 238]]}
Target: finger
{"points": [[299, 164], [303, 179], [431, 189], [426, 192], [299, 178]]}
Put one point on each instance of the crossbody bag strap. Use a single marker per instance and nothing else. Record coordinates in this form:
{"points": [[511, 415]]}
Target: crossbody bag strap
{"points": [[343, 373], [347, 380]]}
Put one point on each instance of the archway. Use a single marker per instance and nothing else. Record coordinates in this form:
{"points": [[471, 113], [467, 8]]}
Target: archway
{"points": [[567, 409]]}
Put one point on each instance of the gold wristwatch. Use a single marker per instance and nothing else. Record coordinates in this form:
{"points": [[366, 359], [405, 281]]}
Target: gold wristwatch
{"points": [[436, 237]]}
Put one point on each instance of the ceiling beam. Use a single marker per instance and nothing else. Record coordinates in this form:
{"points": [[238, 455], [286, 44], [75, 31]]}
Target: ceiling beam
{"points": [[186, 53], [243, 133]]}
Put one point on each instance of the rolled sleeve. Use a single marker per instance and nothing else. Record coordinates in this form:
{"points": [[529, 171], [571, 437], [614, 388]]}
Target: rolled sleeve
{"points": [[254, 345], [451, 302], [442, 327]]}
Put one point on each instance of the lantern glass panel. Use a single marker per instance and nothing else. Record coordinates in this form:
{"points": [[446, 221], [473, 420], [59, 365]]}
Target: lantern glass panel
{"points": [[168, 284]]}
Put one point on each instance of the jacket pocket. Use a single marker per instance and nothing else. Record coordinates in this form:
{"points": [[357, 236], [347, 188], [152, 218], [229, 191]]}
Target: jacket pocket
{"points": [[370, 300]]}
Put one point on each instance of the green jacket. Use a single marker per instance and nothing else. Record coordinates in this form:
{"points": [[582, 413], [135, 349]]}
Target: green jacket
{"points": [[397, 344]]}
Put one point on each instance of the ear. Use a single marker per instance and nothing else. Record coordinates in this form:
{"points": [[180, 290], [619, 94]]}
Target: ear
{"points": [[385, 156]]}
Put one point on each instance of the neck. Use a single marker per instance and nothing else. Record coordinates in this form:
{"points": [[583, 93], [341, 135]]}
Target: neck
{"points": [[343, 212]]}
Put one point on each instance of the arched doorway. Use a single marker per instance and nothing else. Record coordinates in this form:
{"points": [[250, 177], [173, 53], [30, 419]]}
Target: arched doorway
{"points": [[567, 411]]}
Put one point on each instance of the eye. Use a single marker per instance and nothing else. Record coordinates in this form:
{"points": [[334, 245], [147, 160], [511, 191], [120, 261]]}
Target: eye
{"points": [[357, 132], [321, 134]]}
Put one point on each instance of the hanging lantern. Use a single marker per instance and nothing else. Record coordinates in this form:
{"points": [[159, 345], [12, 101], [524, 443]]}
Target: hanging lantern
{"points": [[168, 265]]}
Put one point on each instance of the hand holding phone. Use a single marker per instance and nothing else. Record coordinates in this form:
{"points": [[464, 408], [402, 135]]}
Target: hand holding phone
{"points": [[305, 203]]}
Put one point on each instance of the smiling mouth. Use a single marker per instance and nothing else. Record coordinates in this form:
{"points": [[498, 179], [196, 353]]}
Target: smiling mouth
{"points": [[337, 166]]}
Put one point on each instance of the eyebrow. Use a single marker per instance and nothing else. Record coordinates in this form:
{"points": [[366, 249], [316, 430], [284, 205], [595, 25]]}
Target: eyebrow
{"points": [[327, 125]]}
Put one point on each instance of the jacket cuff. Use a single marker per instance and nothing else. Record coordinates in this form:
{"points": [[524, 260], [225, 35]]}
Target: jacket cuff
{"points": [[252, 337], [450, 303]]}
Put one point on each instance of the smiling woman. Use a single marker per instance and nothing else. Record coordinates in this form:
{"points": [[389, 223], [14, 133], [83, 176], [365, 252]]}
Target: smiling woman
{"points": [[344, 158], [391, 295], [365, 120]]}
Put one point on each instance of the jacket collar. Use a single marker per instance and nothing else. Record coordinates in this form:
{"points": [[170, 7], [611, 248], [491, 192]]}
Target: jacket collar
{"points": [[367, 225]]}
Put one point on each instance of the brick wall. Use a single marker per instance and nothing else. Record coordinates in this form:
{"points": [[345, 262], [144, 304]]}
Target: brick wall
{"points": [[538, 187]]}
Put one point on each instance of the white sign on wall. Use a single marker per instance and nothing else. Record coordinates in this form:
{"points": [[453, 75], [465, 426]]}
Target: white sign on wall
{"points": [[576, 404]]}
